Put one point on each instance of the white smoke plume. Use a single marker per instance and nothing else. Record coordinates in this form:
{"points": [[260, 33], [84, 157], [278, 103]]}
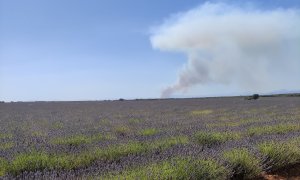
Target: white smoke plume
{"points": [[257, 50]]}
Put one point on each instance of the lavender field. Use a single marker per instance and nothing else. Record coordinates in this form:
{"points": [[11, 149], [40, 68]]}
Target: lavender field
{"points": [[209, 138]]}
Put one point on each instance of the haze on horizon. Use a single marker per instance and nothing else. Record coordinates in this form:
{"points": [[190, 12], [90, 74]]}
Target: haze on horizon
{"points": [[76, 50]]}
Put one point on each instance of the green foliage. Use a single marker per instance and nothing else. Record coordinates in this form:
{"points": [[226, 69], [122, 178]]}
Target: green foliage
{"points": [[39, 134], [201, 112], [7, 145], [72, 141], [3, 167], [122, 130], [211, 138], [101, 137], [134, 121], [58, 125], [168, 142], [223, 124], [80, 139], [148, 132], [177, 168], [250, 120], [275, 129], [29, 162], [278, 154], [5, 136], [244, 164], [41, 160], [115, 152], [105, 122]]}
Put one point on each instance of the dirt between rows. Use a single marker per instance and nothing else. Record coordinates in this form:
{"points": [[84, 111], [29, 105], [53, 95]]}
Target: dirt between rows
{"points": [[287, 173]]}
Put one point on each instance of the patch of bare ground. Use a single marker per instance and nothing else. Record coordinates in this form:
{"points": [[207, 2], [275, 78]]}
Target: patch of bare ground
{"points": [[287, 173]]}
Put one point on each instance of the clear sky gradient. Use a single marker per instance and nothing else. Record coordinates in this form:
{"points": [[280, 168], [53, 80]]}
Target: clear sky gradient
{"points": [[93, 50]]}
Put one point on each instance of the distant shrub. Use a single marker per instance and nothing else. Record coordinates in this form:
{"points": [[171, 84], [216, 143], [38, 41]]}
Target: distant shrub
{"points": [[121, 99], [254, 96]]}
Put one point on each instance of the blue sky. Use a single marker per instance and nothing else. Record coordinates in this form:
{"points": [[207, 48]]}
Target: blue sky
{"points": [[93, 50]]}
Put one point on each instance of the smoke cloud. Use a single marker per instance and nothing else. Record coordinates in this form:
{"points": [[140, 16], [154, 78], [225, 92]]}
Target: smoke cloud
{"points": [[257, 50]]}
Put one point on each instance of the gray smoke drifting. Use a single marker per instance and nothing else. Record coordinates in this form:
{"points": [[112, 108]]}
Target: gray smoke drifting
{"points": [[257, 50]]}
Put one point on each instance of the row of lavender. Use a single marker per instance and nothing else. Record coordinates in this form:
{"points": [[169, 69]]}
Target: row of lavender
{"points": [[67, 129]]}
